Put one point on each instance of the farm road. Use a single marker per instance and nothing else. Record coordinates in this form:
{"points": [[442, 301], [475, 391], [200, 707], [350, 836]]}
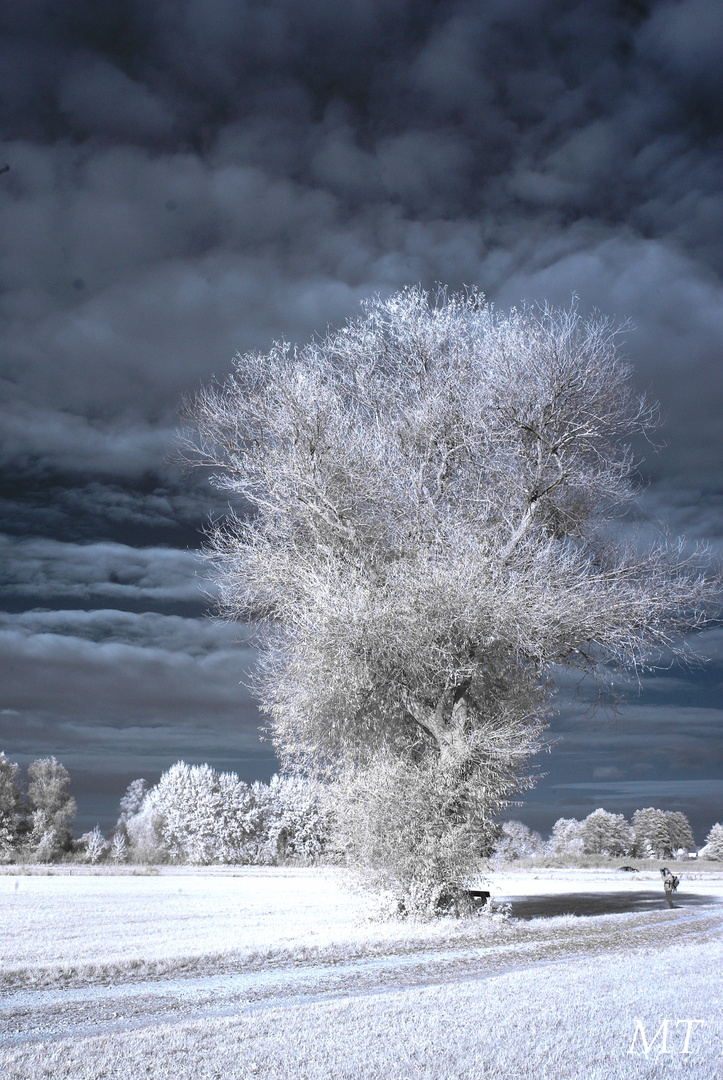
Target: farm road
{"points": [[101, 1006]]}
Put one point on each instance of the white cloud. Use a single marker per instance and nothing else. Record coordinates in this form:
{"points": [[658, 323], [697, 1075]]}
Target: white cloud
{"points": [[44, 570]]}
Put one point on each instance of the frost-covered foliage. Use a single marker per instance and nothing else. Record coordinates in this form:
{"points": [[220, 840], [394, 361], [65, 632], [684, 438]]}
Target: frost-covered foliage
{"points": [[714, 843], [432, 488], [659, 834], [681, 834], [201, 816], [652, 839], [143, 833], [93, 845], [131, 802], [517, 841], [11, 816], [652, 834], [52, 810], [36, 822], [198, 815], [603, 833], [566, 838], [118, 847], [297, 818], [398, 827]]}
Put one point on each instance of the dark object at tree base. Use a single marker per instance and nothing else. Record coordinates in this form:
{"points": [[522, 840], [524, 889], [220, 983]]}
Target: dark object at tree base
{"points": [[462, 901], [453, 901], [630, 869]]}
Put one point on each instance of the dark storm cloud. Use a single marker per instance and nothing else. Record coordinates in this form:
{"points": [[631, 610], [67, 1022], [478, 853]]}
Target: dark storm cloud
{"points": [[188, 179], [663, 738], [144, 511]]}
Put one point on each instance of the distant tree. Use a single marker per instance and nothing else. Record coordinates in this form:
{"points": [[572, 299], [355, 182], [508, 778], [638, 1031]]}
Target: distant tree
{"points": [[195, 814], [188, 804], [94, 844], [714, 843], [131, 802], [198, 815], [53, 809], [603, 833], [298, 821], [138, 824], [119, 847], [143, 830], [11, 816], [566, 837], [240, 828], [652, 835], [679, 831], [518, 841], [432, 491], [661, 833]]}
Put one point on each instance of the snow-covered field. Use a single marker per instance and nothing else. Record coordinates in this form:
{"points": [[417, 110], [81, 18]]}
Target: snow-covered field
{"points": [[285, 973]]}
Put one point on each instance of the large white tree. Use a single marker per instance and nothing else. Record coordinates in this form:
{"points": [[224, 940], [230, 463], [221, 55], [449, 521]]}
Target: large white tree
{"points": [[427, 530]]}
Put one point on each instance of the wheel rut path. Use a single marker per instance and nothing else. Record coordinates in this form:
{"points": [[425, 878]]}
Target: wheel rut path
{"points": [[50, 1014]]}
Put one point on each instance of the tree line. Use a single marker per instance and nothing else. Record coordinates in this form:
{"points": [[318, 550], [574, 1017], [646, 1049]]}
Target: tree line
{"points": [[194, 814], [650, 834], [199, 816]]}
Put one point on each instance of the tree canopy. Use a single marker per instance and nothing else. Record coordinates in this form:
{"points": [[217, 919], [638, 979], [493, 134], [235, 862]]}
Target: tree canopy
{"points": [[429, 528]]}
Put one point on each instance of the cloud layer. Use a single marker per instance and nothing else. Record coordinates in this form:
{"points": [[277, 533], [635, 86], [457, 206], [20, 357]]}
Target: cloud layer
{"points": [[190, 179], [43, 571]]}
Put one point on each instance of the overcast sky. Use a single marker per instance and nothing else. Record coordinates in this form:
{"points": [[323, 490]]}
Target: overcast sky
{"points": [[184, 179]]}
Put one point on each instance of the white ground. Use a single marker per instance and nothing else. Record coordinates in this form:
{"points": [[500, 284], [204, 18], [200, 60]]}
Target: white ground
{"points": [[284, 973]]}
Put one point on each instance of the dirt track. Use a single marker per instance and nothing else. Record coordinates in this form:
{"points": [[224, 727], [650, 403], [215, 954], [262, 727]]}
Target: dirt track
{"points": [[100, 1007]]}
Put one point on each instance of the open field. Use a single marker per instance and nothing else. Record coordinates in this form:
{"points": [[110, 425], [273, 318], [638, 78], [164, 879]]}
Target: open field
{"points": [[235, 973]]}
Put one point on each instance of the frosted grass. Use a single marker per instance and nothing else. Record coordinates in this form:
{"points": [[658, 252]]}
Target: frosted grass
{"points": [[324, 991], [573, 1021], [76, 919]]}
